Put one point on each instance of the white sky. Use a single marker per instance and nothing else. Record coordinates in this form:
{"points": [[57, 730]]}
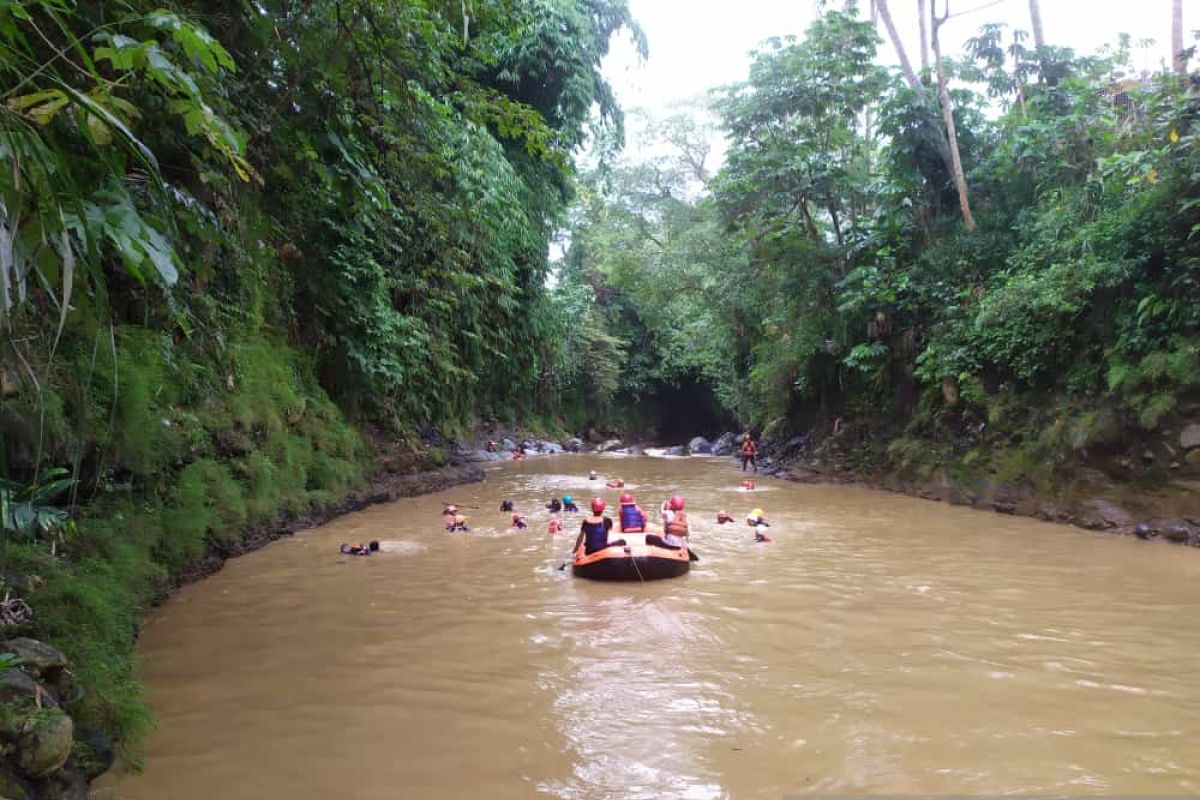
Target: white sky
{"points": [[696, 45]]}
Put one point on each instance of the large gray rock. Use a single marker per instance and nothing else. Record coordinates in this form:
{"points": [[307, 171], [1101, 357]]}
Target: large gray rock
{"points": [[573, 445], [699, 446], [1189, 437], [725, 444], [45, 743], [508, 444], [17, 687], [42, 660], [550, 448], [608, 445]]}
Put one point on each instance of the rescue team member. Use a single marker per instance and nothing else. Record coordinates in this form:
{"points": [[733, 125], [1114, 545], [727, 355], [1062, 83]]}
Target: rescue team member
{"points": [[758, 520], [633, 519], [675, 526], [593, 533], [749, 453]]}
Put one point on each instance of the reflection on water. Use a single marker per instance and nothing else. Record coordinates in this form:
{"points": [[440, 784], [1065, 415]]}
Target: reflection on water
{"points": [[881, 645]]}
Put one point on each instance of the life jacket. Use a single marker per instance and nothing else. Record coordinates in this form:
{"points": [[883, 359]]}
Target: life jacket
{"points": [[633, 519], [748, 447], [677, 526], [595, 533]]}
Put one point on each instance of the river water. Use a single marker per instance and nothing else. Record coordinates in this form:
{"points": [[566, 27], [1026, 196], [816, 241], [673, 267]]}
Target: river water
{"points": [[880, 645]]}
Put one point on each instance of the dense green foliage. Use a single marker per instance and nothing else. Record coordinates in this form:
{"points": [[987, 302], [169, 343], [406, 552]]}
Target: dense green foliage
{"points": [[228, 231], [824, 271]]}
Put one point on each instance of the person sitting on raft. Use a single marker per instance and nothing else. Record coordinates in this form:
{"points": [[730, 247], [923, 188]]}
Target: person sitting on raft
{"points": [[758, 520], [593, 533], [356, 549], [568, 504], [633, 519], [616, 483], [723, 517], [457, 523], [519, 522], [675, 526], [506, 505]]}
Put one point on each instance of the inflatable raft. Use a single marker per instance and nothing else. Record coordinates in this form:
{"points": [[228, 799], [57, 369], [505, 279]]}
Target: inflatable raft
{"points": [[635, 561]]}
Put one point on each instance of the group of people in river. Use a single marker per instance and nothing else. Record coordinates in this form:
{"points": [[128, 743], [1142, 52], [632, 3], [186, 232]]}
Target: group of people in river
{"points": [[596, 527]]}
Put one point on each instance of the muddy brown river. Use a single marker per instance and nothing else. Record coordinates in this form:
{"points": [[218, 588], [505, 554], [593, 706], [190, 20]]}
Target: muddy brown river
{"points": [[880, 645]]}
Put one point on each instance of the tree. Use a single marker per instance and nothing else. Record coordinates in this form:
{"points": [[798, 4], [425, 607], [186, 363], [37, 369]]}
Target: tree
{"points": [[960, 179], [1177, 55], [1035, 17], [885, 13], [924, 35]]}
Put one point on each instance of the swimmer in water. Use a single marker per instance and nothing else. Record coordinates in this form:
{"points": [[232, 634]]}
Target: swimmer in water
{"points": [[723, 517], [356, 549], [592, 475], [519, 522], [568, 504], [616, 483], [758, 520]]}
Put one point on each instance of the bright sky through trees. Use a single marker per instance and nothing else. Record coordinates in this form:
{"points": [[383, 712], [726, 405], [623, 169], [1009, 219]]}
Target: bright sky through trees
{"points": [[696, 45]]}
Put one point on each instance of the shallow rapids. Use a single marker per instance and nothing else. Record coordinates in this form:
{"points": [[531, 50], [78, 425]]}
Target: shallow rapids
{"points": [[880, 645]]}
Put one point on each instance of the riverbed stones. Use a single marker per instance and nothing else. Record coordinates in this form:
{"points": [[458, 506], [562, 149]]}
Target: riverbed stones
{"points": [[609, 445], [1189, 437], [724, 445], [17, 687], [699, 446], [573, 445], [42, 660], [45, 742]]}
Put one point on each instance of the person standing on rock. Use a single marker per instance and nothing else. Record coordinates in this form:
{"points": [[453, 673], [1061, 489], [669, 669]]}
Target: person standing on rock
{"points": [[749, 453]]}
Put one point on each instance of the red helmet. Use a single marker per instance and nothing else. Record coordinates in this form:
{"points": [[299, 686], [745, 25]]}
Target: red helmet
{"points": [[597, 505], [676, 503], [626, 499]]}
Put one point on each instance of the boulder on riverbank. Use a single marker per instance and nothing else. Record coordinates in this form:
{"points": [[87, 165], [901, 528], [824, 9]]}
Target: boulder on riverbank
{"points": [[37, 736], [725, 444], [699, 446]]}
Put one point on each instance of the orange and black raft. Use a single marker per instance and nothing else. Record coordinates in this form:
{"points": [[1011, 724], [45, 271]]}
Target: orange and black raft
{"points": [[635, 561]]}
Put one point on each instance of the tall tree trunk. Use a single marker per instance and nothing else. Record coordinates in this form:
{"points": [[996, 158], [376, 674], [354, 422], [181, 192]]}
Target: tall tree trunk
{"points": [[960, 180], [1035, 15], [924, 35], [905, 65], [1177, 58]]}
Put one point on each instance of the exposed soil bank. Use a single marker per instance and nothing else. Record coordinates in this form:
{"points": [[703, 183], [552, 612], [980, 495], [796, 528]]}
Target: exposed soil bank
{"points": [[1168, 509], [384, 489]]}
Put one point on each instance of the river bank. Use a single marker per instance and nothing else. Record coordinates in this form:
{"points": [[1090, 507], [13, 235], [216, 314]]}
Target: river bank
{"points": [[50, 746], [1112, 495]]}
